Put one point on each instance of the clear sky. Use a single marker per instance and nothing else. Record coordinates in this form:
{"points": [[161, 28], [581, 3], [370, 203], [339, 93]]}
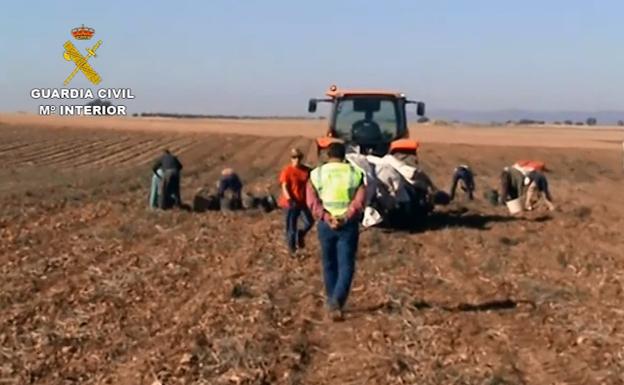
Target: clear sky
{"points": [[270, 56]]}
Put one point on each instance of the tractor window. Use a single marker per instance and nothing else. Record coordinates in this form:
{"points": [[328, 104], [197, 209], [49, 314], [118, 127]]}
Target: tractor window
{"points": [[368, 119]]}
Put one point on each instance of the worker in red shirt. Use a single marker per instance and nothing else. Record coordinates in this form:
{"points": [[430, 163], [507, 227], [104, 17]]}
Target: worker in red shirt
{"points": [[293, 180]]}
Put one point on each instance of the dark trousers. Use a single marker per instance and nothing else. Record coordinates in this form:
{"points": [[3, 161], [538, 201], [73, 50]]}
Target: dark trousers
{"points": [[541, 182], [466, 179], [295, 235], [231, 201], [339, 248], [169, 194]]}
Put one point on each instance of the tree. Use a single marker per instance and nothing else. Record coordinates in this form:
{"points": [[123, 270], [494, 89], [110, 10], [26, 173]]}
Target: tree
{"points": [[591, 121], [101, 103], [530, 121], [568, 122], [423, 119], [620, 123]]}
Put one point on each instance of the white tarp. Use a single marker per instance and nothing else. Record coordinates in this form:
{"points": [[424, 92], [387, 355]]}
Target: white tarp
{"points": [[370, 179], [386, 179], [371, 216]]}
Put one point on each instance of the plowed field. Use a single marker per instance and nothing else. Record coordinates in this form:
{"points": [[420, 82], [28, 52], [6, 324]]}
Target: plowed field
{"points": [[96, 288]]}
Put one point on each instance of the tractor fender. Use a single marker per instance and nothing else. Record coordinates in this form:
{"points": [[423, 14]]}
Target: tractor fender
{"points": [[324, 142], [405, 146]]}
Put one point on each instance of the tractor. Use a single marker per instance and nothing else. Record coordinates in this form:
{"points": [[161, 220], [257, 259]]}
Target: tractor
{"points": [[373, 122], [368, 121]]}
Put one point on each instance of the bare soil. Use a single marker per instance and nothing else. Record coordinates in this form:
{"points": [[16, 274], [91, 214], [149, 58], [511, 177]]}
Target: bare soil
{"points": [[96, 288]]}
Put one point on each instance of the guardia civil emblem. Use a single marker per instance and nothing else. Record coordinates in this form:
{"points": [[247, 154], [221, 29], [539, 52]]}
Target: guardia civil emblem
{"points": [[81, 63]]}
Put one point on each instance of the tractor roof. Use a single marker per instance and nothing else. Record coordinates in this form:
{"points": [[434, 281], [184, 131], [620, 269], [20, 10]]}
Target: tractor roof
{"points": [[335, 92]]}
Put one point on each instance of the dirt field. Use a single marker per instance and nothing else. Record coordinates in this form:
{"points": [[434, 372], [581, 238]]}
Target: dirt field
{"points": [[96, 288]]}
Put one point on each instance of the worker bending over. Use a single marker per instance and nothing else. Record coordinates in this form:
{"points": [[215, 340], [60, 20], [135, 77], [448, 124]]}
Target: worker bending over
{"points": [[463, 176], [518, 181], [167, 169], [538, 188], [229, 189]]}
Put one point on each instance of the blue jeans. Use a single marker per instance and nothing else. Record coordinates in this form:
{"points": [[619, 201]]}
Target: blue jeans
{"points": [[339, 248], [467, 178], [294, 235]]}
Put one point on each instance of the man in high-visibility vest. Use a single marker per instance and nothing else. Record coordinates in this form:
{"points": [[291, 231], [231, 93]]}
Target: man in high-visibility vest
{"points": [[335, 195]]}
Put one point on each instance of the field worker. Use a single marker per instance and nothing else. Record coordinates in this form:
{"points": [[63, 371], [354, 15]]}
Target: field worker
{"points": [[404, 158], [293, 180], [229, 190], [526, 179], [335, 194], [512, 184], [516, 183], [169, 192], [155, 186], [463, 176], [538, 187]]}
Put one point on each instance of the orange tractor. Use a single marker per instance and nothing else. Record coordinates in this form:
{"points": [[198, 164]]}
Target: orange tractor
{"points": [[368, 121]]}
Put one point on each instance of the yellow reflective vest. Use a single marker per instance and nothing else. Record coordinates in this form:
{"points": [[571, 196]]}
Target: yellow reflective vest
{"points": [[336, 184]]}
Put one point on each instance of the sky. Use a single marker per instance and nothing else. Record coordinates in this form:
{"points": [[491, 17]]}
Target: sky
{"points": [[268, 57]]}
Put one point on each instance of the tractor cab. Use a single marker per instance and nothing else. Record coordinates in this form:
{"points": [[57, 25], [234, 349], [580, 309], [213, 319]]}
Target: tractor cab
{"points": [[367, 121]]}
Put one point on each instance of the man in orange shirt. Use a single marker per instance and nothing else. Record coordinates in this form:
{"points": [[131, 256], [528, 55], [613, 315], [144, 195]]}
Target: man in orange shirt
{"points": [[293, 180]]}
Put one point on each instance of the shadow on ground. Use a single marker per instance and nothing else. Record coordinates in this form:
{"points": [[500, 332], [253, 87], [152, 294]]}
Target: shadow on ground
{"points": [[462, 307], [455, 219]]}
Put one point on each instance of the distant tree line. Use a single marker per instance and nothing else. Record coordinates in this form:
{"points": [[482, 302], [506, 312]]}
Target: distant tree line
{"points": [[435, 122], [591, 121], [522, 122], [569, 123], [235, 117]]}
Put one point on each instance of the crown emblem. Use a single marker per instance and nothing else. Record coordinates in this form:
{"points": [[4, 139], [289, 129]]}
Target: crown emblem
{"points": [[82, 33]]}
